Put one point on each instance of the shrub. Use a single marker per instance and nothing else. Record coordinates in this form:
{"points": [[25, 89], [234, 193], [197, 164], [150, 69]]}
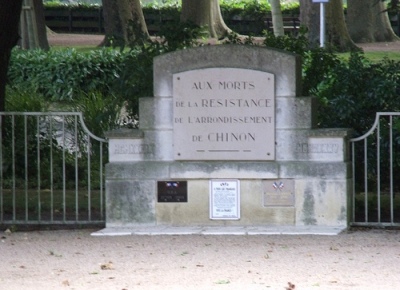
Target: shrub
{"points": [[60, 75]]}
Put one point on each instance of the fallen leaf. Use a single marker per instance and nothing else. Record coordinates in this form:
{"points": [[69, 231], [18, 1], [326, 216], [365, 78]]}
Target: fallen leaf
{"points": [[107, 266], [65, 283], [290, 286], [199, 265]]}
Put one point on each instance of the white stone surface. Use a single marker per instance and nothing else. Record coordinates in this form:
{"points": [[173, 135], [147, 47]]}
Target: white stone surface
{"points": [[224, 114], [128, 150]]}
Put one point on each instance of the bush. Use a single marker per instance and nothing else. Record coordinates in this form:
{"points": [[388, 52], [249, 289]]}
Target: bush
{"points": [[60, 75], [353, 91]]}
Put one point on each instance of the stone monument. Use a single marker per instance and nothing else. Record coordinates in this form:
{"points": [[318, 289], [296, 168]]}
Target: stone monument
{"points": [[227, 140]]}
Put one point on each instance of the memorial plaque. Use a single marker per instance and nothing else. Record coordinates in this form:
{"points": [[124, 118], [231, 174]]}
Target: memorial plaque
{"points": [[225, 199], [224, 114], [278, 193], [172, 191]]}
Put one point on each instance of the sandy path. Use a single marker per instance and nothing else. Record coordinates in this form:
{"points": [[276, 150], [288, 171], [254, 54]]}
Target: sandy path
{"points": [[74, 260]]}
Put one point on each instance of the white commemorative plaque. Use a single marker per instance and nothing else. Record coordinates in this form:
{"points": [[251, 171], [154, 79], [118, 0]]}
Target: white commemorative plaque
{"points": [[224, 114], [225, 199]]}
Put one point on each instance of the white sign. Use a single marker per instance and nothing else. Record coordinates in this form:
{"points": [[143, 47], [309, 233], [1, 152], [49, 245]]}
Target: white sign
{"points": [[320, 1], [225, 199], [224, 114]]}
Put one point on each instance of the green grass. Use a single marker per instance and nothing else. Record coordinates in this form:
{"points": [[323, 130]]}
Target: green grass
{"points": [[376, 56]]}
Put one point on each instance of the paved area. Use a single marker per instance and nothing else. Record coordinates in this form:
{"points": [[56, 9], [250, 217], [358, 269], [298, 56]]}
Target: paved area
{"points": [[234, 230]]}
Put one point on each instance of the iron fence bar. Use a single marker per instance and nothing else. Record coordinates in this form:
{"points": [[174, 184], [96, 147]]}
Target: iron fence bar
{"points": [[64, 204], [391, 168], [378, 165], [354, 184], [101, 181], [13, 167], [51, 171], [38, 168], [76, 169], [89, 180], [1, 170], [366, 179], [26, 167]]}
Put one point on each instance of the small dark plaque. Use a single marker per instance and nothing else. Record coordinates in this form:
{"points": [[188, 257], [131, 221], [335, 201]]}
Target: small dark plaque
{"points": [[172, 191]]}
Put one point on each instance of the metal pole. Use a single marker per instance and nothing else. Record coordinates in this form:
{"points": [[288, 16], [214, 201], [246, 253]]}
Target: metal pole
{"points": [[322, 25]]}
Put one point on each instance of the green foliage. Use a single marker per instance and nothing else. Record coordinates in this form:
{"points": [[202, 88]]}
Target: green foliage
{"points": [[61, 74], [317, 63], [20, 100], [26, 147], [254, 8], [136, 78], [352, 92], [290, 43], [57, 5], [101, 112], [298, 44]]}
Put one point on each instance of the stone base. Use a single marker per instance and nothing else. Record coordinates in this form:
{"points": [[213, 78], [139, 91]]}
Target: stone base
{"points": [[319, 189]]}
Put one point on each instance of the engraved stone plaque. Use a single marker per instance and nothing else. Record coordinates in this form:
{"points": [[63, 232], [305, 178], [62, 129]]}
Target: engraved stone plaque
{"points": [[224, 114], [225, 199], [172, 191], [279, 192]]}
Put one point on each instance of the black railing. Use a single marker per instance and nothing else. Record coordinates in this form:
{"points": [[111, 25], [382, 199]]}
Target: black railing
{"points": [[91, 21]]}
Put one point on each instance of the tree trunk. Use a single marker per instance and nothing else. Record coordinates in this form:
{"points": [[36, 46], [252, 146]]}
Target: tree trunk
{"points": [[205, 13], [336, 31], [10, 12], [33, 27], [368, 21], [124, 22], [309, 18], [277, 20]]}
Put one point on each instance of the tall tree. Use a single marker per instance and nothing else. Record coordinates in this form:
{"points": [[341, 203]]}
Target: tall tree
{"points": [[368, 21], [310, 19], [205, 13], [10, 11], [277, 20], [33, 27], [337, 34], [124, 22]]}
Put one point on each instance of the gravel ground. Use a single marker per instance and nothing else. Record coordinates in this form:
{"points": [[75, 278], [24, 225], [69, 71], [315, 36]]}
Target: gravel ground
{"points": [[77, 260]]}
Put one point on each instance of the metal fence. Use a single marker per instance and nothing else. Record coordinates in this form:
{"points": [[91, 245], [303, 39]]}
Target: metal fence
{"points": [[376, 169], [51, 170]]}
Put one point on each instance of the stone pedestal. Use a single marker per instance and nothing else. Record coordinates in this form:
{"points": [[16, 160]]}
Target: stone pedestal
{"points": [[306, 182]]}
